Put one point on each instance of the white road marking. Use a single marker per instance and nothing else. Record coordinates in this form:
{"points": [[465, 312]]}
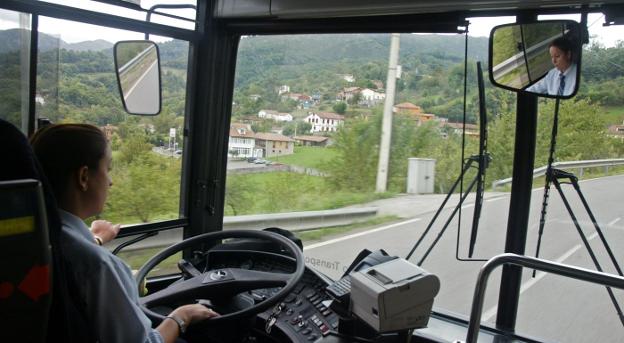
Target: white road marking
{"points": [[611, 223], [139, 80], [496, 199], [467, 206], [487, 315], [340, 239]]}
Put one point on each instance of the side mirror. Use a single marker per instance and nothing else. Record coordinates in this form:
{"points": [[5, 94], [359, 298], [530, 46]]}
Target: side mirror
{"points": [[137, 65], [542, 58]]}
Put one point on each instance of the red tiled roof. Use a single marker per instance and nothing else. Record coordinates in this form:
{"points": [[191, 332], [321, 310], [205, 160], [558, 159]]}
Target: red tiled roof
{"points": [[330, 115], [317, 139], [234, 127], [408, 106], [266, 136]]}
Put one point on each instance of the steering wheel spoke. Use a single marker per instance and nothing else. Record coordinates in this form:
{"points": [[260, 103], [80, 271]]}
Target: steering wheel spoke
{"points": [[222, 283]]}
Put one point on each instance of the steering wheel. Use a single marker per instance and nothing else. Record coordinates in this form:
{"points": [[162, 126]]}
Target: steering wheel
{"points": [[226, 281]]}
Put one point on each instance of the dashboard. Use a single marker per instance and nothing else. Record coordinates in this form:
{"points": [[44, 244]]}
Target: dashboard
{"points": [[304, 314]]}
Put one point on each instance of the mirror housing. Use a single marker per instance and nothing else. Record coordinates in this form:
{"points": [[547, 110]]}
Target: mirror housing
{"points": [[137, 66], [541, 58]]}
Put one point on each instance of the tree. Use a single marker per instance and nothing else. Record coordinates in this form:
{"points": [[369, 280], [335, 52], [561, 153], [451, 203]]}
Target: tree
{"points": [[357, 144], [146, 188], [239, 195], [340, 107]]}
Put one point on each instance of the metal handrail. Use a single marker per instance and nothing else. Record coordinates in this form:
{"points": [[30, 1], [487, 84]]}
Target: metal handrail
{"points": [[533, 263], [570, 164]]}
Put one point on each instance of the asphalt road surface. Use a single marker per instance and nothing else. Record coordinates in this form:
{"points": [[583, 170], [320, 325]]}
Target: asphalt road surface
{"points": [[551, 308], [143, 96]]}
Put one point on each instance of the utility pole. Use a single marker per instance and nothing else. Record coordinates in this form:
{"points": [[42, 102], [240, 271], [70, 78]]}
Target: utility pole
{"points": [[386, 126]]}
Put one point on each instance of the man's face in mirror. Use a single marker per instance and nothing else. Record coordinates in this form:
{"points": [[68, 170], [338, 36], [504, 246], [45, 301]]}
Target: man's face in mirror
{"points": [[560, 59]]}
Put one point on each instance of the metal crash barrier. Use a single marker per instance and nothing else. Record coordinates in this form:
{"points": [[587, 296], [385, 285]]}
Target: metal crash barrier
{"points": [[533, 263]]}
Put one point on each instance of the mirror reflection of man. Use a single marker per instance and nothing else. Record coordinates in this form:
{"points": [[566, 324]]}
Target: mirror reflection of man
{"points": [[561, 79]]}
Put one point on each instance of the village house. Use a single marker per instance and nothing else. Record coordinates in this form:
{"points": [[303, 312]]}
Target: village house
{"points": [[283, 89], [241, 143], [370, 97], [324, 121], [378, 84], [277, 116], [273, 144], [348, 93], [616, 131], [472, 130], [320, 141], [413, 111], [348, 77]]}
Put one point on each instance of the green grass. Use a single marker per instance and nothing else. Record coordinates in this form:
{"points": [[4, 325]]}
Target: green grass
{"points": [[320, 234], [309, 157], [613, 114], [287, 192]]}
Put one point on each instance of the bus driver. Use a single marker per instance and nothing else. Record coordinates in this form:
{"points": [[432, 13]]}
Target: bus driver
{"points": [[561, 79], [76, 159]]}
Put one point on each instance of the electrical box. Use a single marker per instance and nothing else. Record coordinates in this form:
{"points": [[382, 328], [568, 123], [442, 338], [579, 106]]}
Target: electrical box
{"points": [[420, 175]]}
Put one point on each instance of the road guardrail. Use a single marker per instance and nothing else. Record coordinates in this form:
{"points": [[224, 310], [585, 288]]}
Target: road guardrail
{"points": [[291, 221], [580, 165]]}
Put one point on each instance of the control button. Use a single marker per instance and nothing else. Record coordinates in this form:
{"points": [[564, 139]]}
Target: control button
{"points": [[326, 313], [289, 311], [305, 332], [324, 328], [312, 337], [313, 298], [302, 324], [296, 320], [310, 294], [316, 302], [298, 302], [335, 325], [290, 298]]}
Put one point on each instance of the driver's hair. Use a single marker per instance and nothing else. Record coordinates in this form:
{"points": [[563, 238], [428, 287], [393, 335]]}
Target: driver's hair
{"points": [[62, 149], [566, 45]]}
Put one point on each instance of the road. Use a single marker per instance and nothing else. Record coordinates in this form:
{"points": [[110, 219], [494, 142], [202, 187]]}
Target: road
{"points": [[142, 97], [551, 308]]}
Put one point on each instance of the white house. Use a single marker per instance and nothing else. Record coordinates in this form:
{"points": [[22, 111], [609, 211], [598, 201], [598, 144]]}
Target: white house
{"points": [[277, 116], [324, 121], [370, 97], [348, 77], [242, 141], [283, 117], [268, 114], [283, 89]]}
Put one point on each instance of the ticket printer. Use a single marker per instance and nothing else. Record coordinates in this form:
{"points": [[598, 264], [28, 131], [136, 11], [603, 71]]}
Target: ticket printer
{"points": [[393, 296]]}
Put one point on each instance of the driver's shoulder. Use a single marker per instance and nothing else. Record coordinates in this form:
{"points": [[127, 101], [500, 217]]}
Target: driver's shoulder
{"points": [[85, 257]]}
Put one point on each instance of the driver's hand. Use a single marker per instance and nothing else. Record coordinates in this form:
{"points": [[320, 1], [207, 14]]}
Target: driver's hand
{"points": [[105, 230], [194, 313]]}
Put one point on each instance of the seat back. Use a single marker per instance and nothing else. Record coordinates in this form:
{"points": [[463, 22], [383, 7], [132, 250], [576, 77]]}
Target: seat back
{"points": [[64, 323], [25, 258]]}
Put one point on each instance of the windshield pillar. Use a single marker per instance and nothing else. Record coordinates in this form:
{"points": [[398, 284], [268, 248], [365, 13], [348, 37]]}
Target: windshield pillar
{"points": [[519, 207]]}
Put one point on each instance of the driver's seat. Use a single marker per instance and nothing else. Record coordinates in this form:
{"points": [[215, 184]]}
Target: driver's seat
{"points": [[24, 262], [31, 310]]}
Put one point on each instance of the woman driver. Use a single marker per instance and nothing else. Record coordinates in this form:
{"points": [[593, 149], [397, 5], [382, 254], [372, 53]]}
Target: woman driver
{"points": [[76, 158], [561, 79]]}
